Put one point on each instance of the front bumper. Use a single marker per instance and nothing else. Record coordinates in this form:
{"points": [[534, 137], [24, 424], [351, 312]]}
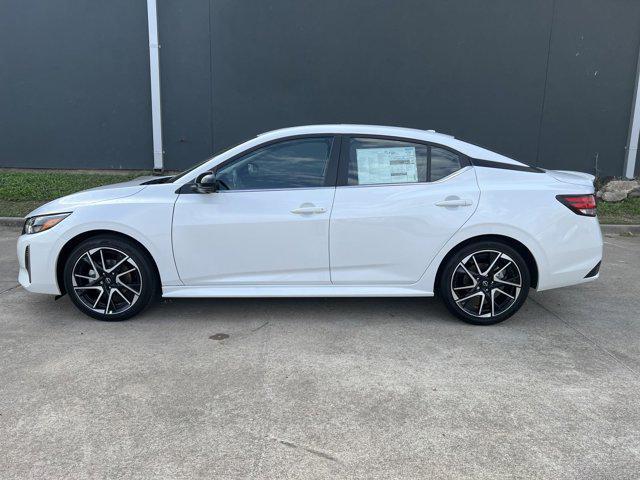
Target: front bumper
{"points": [[37, 272]]}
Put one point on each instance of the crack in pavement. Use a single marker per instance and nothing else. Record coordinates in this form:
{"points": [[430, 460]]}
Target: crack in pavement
{"points": [[313, 451], [9, 289], [624, 247], [586, 337], [261, 326]]}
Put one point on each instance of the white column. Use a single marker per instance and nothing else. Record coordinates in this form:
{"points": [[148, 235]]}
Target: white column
{"points": [[634, 130], [154, 63]]}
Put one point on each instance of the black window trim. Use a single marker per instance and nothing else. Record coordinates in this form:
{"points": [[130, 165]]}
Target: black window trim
{"points": [[338, 165], [343, 167], [477, 162], [330, 173]]}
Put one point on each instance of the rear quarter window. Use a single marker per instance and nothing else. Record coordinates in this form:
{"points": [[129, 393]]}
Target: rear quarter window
{"points": [[443, 163]]}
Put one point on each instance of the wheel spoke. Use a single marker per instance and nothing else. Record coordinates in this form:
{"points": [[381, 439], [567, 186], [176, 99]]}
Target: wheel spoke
{"points": [[106, 307], [493, 302], [469, 273], [492, 264], [93, 265], [481, 305], [88, 287], [104, 265], [85, 277], [518, 285], [503, 267], [473, 257], [120, 293], [99, 297], [122, 284], [124, 273], [464, 288], [118, 264], [469, 297], [503, 293]]}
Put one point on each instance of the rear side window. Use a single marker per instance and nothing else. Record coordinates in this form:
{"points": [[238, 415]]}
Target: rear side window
{"points": [[374, 161]]}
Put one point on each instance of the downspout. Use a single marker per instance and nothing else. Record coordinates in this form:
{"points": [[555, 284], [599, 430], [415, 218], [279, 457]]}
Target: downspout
{"points": [[631, 155], [154, 64]]}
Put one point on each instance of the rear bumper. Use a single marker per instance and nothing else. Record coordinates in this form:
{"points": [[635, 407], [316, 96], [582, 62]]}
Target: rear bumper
{"points": [[594, 272], [572, 257]]}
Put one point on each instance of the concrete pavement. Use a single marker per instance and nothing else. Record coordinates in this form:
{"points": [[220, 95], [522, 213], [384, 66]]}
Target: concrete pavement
{"points": [[324, 388]]}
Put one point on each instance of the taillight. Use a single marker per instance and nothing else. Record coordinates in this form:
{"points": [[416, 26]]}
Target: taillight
{"points": [[580, 204]]}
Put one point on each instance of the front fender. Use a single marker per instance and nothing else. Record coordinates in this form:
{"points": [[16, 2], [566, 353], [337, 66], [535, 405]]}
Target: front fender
{"points": [[148, 223]]}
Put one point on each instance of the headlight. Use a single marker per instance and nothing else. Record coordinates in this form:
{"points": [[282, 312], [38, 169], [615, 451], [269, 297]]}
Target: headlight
{"points": [[43, 222]]}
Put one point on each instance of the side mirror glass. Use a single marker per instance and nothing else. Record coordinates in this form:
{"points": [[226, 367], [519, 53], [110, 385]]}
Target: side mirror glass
{"points": [[207, 183]]}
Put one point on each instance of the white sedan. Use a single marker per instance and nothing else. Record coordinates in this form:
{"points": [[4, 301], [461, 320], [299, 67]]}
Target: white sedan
{"points": [[322, 211]]}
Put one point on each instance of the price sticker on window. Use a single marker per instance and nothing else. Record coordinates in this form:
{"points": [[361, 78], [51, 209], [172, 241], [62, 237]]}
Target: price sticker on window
{"points": [[386, 165]]}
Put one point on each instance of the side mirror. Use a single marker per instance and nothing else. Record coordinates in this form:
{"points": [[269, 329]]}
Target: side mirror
{"points": [[207, 183]]}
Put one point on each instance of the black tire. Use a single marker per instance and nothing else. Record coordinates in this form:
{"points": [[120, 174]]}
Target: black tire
{"points": [[480, 285], [111, 290]]}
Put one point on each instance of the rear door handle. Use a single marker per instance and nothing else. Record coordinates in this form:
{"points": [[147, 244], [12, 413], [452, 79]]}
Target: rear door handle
{"points": [[308, 210], [454, 202]]}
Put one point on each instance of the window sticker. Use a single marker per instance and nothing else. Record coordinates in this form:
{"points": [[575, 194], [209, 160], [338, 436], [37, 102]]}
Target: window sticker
{"points": [[387, 165]]}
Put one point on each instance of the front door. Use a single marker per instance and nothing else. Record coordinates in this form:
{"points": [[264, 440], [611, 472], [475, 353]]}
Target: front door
{"points": [[271, 226], [398, 204]]}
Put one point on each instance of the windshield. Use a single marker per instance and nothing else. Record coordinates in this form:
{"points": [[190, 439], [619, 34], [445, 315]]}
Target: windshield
{"points": [[183, 173], [190, 169]]}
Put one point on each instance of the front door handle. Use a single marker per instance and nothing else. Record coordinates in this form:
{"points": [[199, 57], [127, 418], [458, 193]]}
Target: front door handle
{"points": [[454, 202], [308, 210]]}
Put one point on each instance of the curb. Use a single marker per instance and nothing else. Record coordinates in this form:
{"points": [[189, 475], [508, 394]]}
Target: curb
{"points": [[11, 221], [606, 229], [620, 229]]}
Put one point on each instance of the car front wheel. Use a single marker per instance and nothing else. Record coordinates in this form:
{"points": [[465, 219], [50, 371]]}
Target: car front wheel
{"points": [[110, 278], [485, 283]]}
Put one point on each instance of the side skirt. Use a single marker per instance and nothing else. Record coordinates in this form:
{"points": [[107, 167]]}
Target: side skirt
{"points": [[256, 291]]}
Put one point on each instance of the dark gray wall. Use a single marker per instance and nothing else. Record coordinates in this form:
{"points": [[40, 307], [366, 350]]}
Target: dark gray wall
{"points": [[472, 69], [549, 82], [186, 81], [74, 84], [589, 93]]}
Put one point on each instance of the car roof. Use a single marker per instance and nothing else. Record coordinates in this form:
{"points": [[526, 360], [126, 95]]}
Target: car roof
{"points": [[432, 136]]}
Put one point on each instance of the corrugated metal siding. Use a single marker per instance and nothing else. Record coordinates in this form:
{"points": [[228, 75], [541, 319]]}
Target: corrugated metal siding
{"points": [[74, 84], [547, 82]]}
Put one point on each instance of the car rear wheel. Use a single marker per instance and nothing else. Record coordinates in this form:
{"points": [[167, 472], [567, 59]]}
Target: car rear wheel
{"points": [[485, 283], [110, 278]]}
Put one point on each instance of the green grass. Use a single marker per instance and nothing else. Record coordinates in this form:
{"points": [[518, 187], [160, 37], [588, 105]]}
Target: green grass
{"points": [[21, 192], [620, 213]]}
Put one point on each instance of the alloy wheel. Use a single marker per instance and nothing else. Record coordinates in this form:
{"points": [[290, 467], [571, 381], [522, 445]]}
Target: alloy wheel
{"points": [[486, 283], [107, 280]]}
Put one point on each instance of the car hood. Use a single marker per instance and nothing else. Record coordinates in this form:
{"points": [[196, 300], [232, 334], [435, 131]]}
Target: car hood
{"points": [[575, 178], [93, 195]]}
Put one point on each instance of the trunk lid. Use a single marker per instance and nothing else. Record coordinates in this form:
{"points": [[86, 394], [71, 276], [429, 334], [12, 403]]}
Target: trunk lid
{"points": [[574, 178]]}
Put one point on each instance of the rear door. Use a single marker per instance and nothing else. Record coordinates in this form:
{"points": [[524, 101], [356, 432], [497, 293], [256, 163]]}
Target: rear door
{"points": [[397, 203]]}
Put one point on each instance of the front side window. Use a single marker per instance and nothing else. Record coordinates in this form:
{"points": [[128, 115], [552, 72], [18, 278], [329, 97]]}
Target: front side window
{"points": [[299, 163], [374, 161]]}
